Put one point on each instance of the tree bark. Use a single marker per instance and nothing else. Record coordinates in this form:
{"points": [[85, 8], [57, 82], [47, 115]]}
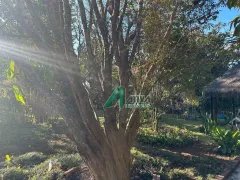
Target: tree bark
{"points": [[115, 164]]}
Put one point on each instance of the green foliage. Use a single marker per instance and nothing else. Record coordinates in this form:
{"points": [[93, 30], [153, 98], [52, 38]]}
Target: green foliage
{"points": [[11, 70], [13, 174], [41, 172], [226, 139], [233, 3], [236, 22], [8, 158], [30, 159], [143, 163], [178, 174], [209, 125], [173, 165], [37, 166], [61, 163], [68, 161], [18, 94], [170, 137]]}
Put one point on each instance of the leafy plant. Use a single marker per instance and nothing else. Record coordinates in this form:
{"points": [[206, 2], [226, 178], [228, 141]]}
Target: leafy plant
{"points": [[209, 125], [226, 139], [30, 159], [68, 161], [9, 162], [14, 174], [170, 137]]}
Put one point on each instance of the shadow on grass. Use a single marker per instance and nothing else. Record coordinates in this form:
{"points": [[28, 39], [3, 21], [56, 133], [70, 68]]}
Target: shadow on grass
{"points": [[177, 165], [19, 138]]}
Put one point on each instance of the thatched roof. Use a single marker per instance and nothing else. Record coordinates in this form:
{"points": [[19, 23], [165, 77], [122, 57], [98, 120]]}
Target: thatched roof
{"points": [[228, 83]]}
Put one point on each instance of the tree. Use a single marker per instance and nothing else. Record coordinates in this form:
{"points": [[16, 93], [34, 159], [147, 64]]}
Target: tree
{"points": [[194, 55], [44, 35], [86, 47]]}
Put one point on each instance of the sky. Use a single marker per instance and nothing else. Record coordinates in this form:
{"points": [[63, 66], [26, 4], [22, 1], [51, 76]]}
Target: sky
{"points": [[226, 15]]}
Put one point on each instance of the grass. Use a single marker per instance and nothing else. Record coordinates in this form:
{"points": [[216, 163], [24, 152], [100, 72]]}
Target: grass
{"points": [[171, 165], [190, 125]]}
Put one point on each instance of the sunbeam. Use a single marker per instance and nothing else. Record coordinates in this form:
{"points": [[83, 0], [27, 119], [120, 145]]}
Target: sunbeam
{"points": [[26, 53]]}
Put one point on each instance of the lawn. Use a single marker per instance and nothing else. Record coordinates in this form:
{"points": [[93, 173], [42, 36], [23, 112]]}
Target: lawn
{"points": [[190, 125]]}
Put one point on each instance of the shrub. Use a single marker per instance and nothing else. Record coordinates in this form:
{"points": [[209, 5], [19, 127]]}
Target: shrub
{"points": [[142, 165], [13, 174], [68, 161], [170, 137], [30, 159], [65, 162], [178, 174], [41, 172], [226, 139]]}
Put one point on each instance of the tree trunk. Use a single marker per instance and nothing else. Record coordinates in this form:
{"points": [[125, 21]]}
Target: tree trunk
{"points": [[112, 162], [113, 167]]}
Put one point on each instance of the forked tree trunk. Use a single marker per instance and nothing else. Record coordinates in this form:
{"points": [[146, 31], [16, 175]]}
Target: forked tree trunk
{"points": [[110, 162], [115, 165]]}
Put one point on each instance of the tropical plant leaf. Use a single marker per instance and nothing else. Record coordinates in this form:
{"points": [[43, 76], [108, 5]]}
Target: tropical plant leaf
{"points": [[235, 134]]}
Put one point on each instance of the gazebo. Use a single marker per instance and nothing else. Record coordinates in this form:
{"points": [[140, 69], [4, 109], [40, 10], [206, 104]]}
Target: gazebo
{"points": [[228, 85]]}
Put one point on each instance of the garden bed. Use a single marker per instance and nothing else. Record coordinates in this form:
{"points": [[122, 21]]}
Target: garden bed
{"points": [[187, 160]]}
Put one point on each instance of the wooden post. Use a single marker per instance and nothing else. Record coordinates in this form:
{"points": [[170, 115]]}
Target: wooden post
{"points": [[233, 106], [214, 108]]}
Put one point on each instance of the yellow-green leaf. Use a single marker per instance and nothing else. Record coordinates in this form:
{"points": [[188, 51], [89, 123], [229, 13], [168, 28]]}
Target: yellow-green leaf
{"points": [[8, 158], [18, 94], [11, 70], [19, 167]]}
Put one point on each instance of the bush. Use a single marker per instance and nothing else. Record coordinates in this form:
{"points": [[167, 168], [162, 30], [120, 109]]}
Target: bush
{"points": [[65, 162], [170, 137], [227, 140], [13, 174], [178, 174], [30, 159], [68, 161], [41, 172], [142, 165]]}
